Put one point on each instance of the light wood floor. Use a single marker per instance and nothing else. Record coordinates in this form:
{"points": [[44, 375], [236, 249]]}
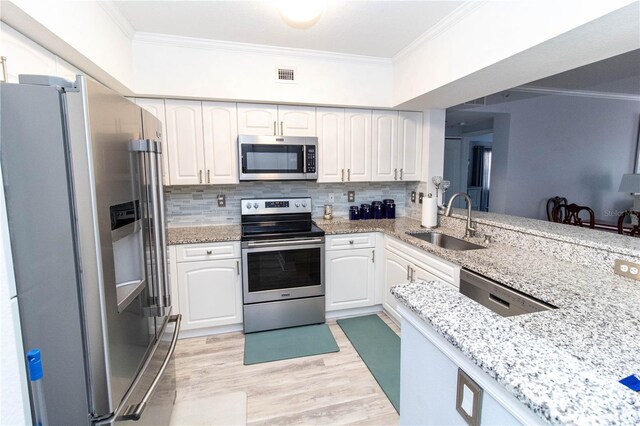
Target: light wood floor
{"points": [[334, 388]]}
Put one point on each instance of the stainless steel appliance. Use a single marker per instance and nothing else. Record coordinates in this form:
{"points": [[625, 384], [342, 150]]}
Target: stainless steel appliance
{"points": [[501, 299], [282, 264], [82, 173], [277, 157]]}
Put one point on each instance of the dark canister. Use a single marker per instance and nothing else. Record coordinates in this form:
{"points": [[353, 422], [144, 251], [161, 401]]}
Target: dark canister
{"points": [[377, 209], [354, 213], [365, 211], [389, 209]]}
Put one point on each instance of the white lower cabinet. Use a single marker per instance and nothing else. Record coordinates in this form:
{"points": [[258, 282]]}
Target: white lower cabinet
{"points": [[350, 271], [209, 291], [396, 271]]}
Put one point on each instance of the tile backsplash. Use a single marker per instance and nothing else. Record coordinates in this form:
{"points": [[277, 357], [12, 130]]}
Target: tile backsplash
{"points": [[197, 205]]}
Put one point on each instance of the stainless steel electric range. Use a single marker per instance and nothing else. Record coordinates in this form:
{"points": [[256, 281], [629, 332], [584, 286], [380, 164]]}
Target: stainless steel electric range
{"points": [[282, 264]]}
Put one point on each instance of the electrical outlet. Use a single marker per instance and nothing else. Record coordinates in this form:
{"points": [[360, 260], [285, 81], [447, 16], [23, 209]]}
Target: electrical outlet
{"points": [[420, 197], [413, 196], [222, 200], [627, 269], [351, 196], [331, 198]]}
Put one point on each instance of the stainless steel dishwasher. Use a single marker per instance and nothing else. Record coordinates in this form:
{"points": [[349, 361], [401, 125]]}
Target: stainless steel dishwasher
{"points": [[501, 299]]}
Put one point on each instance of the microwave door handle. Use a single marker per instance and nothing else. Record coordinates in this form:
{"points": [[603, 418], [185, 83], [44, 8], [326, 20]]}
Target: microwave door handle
{"points": [[304, 159]]}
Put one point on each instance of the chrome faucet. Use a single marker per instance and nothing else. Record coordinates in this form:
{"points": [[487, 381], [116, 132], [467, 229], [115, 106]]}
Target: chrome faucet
{"points": [[470, 231]]}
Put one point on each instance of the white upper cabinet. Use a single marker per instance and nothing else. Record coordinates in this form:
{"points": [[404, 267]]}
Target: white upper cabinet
{"points": [[276, 120], [357, 145], [220, 125], [410, 145], [156, 107], [297, 120], [397, 146], [185, 142], [331, 149], [257, 119], [384, 149], [24, 56]]}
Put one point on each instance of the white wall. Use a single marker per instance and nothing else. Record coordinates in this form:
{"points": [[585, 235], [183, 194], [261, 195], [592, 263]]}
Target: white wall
{"points": [[485, 47], [194, 68], [570, 146]]}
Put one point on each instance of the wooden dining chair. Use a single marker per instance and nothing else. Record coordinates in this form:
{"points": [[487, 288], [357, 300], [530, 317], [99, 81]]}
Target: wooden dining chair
{"points": [[570, 214], [635, 229], [552, 203]]}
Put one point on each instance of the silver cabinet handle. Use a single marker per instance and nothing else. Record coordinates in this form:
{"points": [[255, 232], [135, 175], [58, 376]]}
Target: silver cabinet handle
{"points": [[238, 266], [282, 128], [349, 175], [208, 176], [200, 176], [350, 241], [133, 412], [342, 176], [209, 251], [400, 174], [395, 174], [373, 256], [274, 129], [408, 272], [413, 275], [5, 76]]}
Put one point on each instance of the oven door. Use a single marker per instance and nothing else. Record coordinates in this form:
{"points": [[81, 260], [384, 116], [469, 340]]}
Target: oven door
{"points": [[282, 269]]}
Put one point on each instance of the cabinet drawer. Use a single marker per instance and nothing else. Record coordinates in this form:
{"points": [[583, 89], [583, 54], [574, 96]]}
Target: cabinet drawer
{"points": [[441, 268], [207, 251], [350, 241]]}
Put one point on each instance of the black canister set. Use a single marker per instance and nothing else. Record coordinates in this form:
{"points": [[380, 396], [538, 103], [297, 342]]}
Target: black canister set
{"points": [[385, 209]]}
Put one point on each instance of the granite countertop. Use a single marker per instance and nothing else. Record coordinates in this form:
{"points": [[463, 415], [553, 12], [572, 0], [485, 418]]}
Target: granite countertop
{"points": [[564, 364]]}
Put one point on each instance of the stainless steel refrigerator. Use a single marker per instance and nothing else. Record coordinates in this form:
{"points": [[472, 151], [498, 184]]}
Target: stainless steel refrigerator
{"points": [[83, 184]]}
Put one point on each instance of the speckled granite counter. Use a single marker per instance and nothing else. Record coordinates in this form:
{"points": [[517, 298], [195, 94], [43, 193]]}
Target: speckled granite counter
{"points": [[203, 234]]}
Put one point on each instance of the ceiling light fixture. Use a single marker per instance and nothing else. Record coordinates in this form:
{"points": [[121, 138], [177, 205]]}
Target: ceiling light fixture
{"points": [[301, 14]]}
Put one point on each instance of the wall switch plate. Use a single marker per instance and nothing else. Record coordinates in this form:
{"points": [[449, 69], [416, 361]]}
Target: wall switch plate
{"points": [[331, 198], [420, 197], [627, 269], [413, 196], [351, 196], [222, 200]]}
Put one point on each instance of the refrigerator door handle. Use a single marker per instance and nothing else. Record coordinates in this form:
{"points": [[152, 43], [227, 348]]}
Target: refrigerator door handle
{"points": [[134, 411], [163, 237]]}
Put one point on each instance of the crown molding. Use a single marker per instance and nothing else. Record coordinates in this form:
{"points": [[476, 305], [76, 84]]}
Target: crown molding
{"points": [[117, 17], [253, 49], [464, 10], [578, 93]]}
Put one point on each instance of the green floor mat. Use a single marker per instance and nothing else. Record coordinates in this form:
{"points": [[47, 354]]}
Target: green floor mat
{"points": [[379, 347], [287, 343]]}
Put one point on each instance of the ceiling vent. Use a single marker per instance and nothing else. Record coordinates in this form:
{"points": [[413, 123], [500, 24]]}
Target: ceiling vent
{"points": [[286, 74], [477, 102]]}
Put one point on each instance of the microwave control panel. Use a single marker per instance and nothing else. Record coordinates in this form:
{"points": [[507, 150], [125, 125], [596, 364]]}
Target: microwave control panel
{"points": [[311, 158]]}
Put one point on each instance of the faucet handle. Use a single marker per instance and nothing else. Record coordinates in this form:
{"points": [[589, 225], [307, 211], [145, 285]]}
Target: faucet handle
{"points": [[487, 238]]}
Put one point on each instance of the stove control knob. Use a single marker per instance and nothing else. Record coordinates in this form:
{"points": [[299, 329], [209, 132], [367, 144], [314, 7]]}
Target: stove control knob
{"points": [[255, 205], [297, 204], [304, 204], [248, 205]]}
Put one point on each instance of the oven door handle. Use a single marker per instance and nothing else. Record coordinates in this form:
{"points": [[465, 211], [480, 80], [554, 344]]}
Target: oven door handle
{"points": [[269, 243]]}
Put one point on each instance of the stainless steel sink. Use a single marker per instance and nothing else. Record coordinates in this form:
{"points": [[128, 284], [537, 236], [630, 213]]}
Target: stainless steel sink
{"points": [[445, 241]]}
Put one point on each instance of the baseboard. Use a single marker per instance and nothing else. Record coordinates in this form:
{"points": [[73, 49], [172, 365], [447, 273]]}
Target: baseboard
{"points": [[209, 331], [354, 312]]}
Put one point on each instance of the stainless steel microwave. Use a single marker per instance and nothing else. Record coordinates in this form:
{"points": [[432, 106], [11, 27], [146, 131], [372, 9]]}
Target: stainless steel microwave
{"points": [[277, 157]]}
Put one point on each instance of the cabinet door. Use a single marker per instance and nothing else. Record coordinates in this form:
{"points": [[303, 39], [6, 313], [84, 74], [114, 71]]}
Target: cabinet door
{"points": [[156, 107], [410, 145], [357, 141], [184, 141], [220, 125], [384, 150], [210, 293], [350, 279], [396, 271], [296, 121], [330, 125], [258, 119]]}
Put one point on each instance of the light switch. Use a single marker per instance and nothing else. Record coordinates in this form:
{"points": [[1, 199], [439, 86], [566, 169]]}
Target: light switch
{"points": [[468, 399]]}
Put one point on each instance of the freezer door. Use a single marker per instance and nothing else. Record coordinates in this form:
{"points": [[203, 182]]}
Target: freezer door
{"points": [[109, 217]]}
